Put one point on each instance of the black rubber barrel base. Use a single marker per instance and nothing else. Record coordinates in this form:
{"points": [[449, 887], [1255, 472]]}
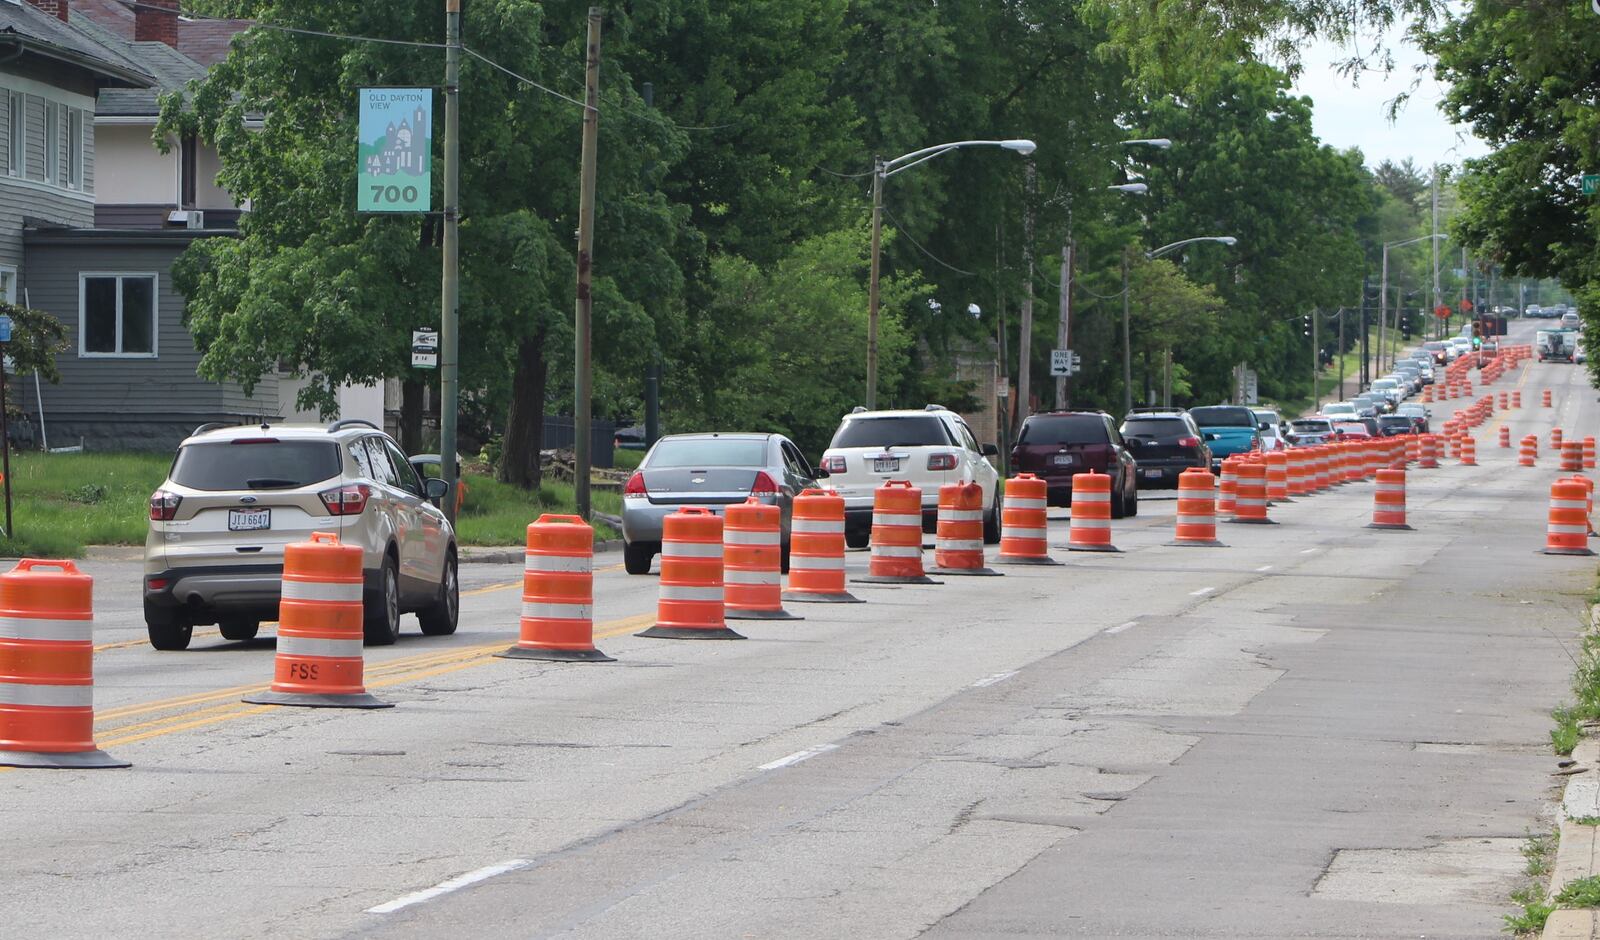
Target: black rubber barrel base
{"points": [[310, 700], [555, 656], [76, 760], [808, 597], [1045, 561], [731, 614], [894, 579], [690, 633], [969, 572]]}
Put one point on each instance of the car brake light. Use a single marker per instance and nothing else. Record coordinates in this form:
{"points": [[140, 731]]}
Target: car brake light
{"points": [[1188, 442], [156, 584], [634, 486], [348, 500], [833, 464], [941, 461], [763, 486], [164, 505], [254, 440]]}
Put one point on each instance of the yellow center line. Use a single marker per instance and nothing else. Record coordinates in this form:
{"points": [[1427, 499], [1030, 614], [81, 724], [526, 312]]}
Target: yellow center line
{"points": [[200, 722]]}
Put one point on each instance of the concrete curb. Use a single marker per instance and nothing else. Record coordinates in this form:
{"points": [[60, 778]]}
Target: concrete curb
{"points": [[512, 555], [1578, 848]]}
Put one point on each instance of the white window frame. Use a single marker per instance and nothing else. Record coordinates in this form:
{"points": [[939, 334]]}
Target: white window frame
{"points": [[52, 143], [75, 147], [155, 314], [9, 295], [18, 142]]}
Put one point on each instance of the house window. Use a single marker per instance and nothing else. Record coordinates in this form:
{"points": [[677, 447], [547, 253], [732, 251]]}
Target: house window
{"points": [[75, 148], [52, 143], [117, 315], [8, 284], [19, 133]]}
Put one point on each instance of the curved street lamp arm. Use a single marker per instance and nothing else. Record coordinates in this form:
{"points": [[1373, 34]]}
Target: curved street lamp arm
{"points": [[908, 160], [1164, 249], [1413, 241]]}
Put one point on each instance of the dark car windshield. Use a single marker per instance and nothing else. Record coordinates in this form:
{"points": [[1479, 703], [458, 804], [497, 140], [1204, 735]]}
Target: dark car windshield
{"points": [[707, 452], [255, 464], [1154, 427], [1223, 416], [1350, 427], [892, 431], [1394, 421], [1311, 427], [1063, 429]]}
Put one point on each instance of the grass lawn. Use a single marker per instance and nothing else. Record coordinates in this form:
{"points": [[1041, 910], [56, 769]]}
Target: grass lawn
{"points": [[64, 502]]}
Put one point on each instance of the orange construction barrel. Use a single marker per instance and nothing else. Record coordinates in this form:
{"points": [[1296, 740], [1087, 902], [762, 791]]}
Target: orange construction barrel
{"points": [[557, 623], [690, 603]]}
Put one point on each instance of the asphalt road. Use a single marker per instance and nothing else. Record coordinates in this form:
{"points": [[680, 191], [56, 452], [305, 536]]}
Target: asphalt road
{"points": [[1320, 730]]}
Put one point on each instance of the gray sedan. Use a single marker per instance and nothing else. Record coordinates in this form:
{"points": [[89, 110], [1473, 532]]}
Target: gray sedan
{"points": [[710, 470]]}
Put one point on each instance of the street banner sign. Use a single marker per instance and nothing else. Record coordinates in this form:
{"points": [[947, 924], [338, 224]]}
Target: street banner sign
{"points": [[396, 150], [5, 329], [1442, 312], [1591, 181], [425, 349]]}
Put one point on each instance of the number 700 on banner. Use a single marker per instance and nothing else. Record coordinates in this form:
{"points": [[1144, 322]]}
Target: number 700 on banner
{"points": [[395, 150]]}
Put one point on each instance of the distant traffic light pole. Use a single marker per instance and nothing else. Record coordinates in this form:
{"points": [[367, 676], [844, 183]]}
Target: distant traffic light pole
{"points": [[881, 171], [1127, 345], [1383, 294]]}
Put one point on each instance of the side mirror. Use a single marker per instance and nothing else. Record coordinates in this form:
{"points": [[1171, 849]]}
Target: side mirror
{"points": [[436, 488], [819, 474], [989, 450]]}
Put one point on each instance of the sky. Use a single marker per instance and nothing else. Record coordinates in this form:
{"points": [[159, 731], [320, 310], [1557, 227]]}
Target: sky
{"points": [[1347, 114]]}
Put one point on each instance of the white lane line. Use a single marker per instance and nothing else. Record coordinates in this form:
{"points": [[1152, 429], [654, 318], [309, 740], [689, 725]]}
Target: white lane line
{"points": [[1264, 568], [1121, 627], [1307, 551], [445, 887], [1202, 592], [799, 756], [991, 680]]}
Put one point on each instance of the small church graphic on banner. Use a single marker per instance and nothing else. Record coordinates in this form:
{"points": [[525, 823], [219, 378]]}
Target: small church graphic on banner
{"points": [[404, 148]]}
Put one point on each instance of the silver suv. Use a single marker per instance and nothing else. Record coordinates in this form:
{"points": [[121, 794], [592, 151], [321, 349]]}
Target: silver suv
{"points": [[235, 496]]}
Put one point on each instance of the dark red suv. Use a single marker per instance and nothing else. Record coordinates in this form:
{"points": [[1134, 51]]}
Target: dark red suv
{"points": [[1054, 445]]}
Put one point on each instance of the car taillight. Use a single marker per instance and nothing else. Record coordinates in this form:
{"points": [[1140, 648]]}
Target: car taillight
{"points": [[164, 505], [764, 485], [156, 584], [346, 500], [941, 461], [833, 464], [1255, 443], [1188, 442], [634, 486]]}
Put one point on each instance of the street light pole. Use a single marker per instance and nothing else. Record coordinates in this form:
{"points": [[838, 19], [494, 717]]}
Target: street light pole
{"points": [[582, 393], [1383, 291], [450, 276], [1127, 345], [881, 171]]}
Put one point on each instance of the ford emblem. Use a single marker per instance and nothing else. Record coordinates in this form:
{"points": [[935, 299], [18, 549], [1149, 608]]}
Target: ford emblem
{"points": [[247, 499]]}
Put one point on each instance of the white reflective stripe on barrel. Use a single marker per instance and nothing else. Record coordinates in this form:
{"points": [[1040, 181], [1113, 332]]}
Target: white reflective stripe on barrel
{"points": [[751, 537], [1090, 496], [1196, 519], [545, 610], [960, 545], [331, 591], [1016, 532], [40, 628], [1091, 523], [290, 645], [573, 564], [896, 551], [889, 518], [816, 562], [674, 592], [1250, 501], [744, 576], [1553, 530], [818, 526], [47, 696], [960, 515], [691, 549], [1569, 504], [1025, 502]]}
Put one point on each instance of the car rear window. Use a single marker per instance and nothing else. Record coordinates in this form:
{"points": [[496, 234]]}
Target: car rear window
{"points": [[255, 464], [1352, 427], [1154, 427], [892, 431], [707, 452], [1313, 427], [1223, 416], [1063, 429]]}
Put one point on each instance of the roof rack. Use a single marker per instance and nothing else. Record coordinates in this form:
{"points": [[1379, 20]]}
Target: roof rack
{"points": [[343, 423], [209, 426]]}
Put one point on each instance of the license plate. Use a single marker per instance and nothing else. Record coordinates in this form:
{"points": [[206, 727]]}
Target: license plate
{"points": [[1152, 474], [885, 465], [1061, 460], [249, 520]]}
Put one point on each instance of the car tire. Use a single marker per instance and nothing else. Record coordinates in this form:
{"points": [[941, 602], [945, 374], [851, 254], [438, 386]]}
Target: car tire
{"points": [[783, 559], [169, 635], [636, 557], [238, 629], [1119, 505], [991, 521], [440, 617], [857, 538], [381, 621], [1133, 504]]}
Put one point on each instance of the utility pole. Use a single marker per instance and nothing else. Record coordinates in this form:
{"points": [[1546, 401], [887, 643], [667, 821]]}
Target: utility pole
{"points": [[582, 391], [1434, 241], [1366, 371], [652, 379], [1127, 346], [1316, 362], [1064, 328], [1025, 337], [1341, 352], [450, 279], [872, 284]]}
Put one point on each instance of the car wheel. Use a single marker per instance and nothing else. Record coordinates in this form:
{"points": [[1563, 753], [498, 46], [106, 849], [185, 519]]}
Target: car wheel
{"points": [[857, 538], [439, 618], [1119, 505], [382, 620], [636, 557], [169, 634], [1133, 502], [991, 521], [783, 559], [237, 629]]}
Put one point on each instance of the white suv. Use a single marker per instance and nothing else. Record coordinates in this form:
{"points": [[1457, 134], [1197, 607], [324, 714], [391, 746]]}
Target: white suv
{"points": [[235, 496], [929, 448]]}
